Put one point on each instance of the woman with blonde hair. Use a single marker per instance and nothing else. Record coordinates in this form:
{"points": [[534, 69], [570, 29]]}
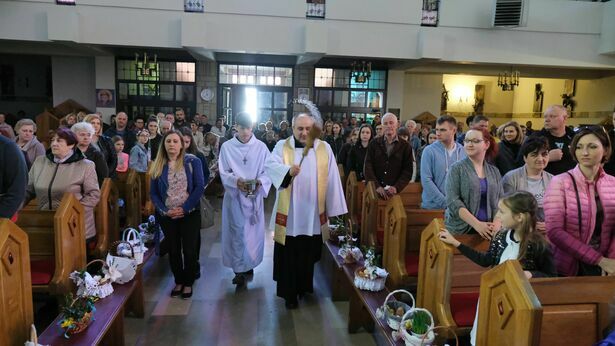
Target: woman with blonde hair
{"points": [[176, 188], [27, 141], [511, 138]]}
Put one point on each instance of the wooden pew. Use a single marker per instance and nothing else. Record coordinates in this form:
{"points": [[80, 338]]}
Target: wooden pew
{"points": [[44, 122], [354, 198], [340, 168], [450, 295], [575, 309], [57, 244], [147, 207], [402, 237], [107, 218], [510, 313], [129, 188], [373, 212], [15, 285]]}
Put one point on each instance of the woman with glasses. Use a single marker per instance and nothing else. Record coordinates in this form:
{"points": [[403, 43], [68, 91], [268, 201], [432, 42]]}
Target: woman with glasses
{"points": [[511, 137], [580, 209], [473, 188]]}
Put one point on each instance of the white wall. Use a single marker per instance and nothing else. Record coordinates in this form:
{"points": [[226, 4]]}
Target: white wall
{"points": [[74, 78], [395, 91], [559, 33], [421, 94]]}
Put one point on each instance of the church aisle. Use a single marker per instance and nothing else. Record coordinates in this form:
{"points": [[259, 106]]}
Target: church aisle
{"points": [[218, 314]]}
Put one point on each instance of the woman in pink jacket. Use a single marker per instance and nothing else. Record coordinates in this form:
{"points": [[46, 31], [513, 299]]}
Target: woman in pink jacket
{"points": [[580, 209]]}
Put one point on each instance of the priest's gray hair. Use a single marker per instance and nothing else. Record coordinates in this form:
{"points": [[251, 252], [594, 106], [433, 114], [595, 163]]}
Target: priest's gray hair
{"points": [[82, 126], [302, 115]]}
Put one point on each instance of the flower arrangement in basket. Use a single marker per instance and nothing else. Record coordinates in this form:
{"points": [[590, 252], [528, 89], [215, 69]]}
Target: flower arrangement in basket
{"points": [[149, 229], [97, 286], [77, 314], [370, 277], [416, 328], [338, 230], [392, 311]]}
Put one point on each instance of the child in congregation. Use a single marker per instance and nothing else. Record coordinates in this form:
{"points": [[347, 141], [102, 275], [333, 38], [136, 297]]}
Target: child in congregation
{"points": [[518, 239], [122, 158]]}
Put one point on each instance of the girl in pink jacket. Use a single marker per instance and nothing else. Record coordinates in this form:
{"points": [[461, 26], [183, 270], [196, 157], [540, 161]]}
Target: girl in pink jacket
{"points": [[580, 209]]}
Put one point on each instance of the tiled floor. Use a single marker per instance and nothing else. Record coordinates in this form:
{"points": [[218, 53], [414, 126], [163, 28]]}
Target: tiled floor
{"points": [[218, 314]]}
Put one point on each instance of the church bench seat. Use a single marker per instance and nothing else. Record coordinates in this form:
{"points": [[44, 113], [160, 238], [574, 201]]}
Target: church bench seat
{"points": [[373, 211], [332, 267], [575, 309], [106, 216], [402, 234], [342, 172], [448, 282], [56, 244], [147, 207], [129, 189], [354, 198], [15, 285]]}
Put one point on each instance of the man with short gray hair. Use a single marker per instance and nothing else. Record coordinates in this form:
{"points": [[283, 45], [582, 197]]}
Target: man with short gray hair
{"points": [[559, 137], [414, 140], [388, 161]]}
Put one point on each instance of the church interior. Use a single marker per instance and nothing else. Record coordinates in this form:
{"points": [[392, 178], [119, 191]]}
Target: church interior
{"points": [[355, 61]]}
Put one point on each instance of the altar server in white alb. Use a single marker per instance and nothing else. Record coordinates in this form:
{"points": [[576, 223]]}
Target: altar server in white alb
{"points": [[307, 195], [242, 171]]}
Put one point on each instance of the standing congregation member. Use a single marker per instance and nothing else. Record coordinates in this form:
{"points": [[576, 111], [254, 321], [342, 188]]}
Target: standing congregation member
{"points": [[342, 157], [154, 138], [308, 193], [65, 169], [27, 141], [176, 188], [138, 154], [580, 209], [473, 188], [356, 156], [103, 143], [388, 162], [13, 177], [84, 132], [121, 129], [436, 161], [122, 158], [559, 137], [242, 171], [511, 138], [532, 176], [5, 128], [475, 122], [335, 139], [519, 240]]}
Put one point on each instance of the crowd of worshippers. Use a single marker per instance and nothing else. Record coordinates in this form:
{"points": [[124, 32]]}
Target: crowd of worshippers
{"points": [[566, 225]]}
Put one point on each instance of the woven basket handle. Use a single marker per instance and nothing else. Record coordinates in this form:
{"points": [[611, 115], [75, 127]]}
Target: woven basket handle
{"points": [[94, 261], [400, 291], [441, 327]]}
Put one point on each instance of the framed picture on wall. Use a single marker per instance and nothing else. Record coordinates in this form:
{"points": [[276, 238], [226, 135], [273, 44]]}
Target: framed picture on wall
{"points": [[65, 2], [194, 6], [315, 9], [105, 98], [569, 87], [303, 93]]}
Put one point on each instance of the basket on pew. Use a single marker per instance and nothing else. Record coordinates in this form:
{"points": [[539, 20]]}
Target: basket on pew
{"points": [[137, 248], [98, 286], [413, 328], [370, 277], [122, 269], [77, 314], [393, 311]]}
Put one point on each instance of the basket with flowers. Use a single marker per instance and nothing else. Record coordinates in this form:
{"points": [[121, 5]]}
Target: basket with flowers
{"points": [[370, 277], [77, 314], [97, 286], [149, 229]]}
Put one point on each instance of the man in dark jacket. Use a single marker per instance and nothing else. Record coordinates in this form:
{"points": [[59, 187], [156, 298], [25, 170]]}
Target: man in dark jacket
{"points": [[559, 137], [388, 162], [13, 177], [121, 129]]}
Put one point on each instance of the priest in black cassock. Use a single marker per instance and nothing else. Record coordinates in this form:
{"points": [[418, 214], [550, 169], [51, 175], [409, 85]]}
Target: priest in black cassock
{"points": [[309, 191]]}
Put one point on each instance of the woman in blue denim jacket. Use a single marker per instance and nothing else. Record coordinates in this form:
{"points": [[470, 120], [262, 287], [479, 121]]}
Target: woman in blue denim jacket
{"points": [[138, 154], [176, 188]]}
